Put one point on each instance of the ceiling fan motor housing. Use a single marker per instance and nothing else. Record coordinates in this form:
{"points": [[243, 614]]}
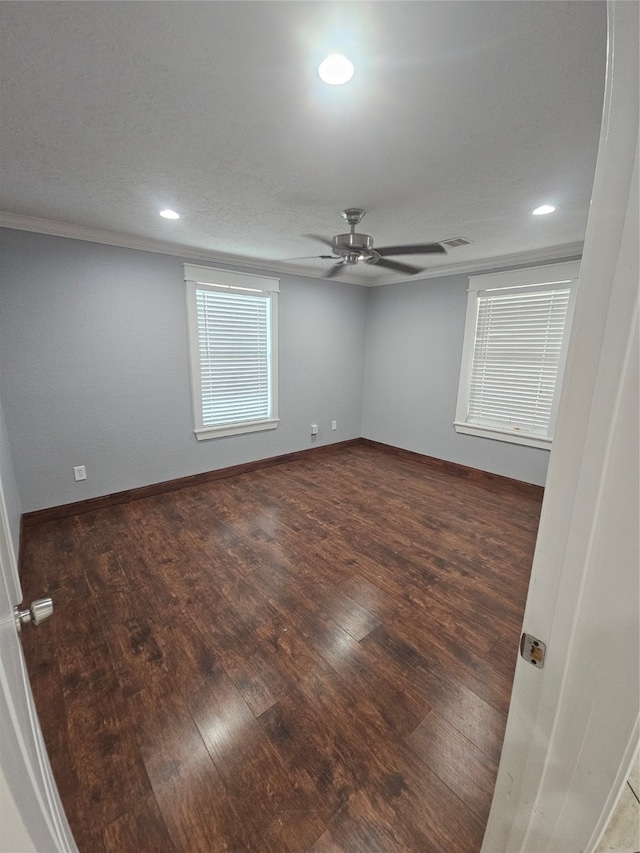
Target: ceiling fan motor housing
{"points": [[346, 243], [350, 248]]}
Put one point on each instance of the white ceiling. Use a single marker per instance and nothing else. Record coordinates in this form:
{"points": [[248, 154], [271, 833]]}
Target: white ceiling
{"points": [[461, 118]]}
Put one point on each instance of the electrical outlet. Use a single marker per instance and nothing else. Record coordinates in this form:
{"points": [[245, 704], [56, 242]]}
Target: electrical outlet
{"points": [[79, 472], [334, 424], [314, 429]]}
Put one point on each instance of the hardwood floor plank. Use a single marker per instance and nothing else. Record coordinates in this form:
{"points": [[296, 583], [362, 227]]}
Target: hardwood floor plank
{"points": [[503, 655], [320, 759], [49, 559], [196, 813], [289, 653], [274, 812], [462, 767], [447, 654], [369, 596], [190, 655], [424, 801], [366, 826], [142, 828], [316, 657], [326, 844], [136, 655], [103, 752], [461, 707], [348, 614], [392, 780], [187, 787], [44, 670]]}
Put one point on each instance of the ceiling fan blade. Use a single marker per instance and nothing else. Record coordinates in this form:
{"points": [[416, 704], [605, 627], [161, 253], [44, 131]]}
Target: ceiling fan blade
{"points": [[397, 267], [416, 249], [334, 270], [312, 257], [319, 239]]}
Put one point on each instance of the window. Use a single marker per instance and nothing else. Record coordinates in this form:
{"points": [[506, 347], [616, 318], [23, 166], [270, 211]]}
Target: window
{"points": [[233, 333], [516, 335]]}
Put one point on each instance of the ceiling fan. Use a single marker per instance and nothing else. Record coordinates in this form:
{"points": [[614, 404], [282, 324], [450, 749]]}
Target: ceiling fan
{"points": [[350, 248]]}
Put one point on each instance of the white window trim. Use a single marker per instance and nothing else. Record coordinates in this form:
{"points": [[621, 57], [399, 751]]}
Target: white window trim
{"points": [[224, 281], [567, 273]]}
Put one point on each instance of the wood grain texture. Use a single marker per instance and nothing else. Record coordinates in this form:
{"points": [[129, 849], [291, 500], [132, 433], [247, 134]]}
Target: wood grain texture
{"points": [[463, 767], [313, 657], [325, 844], [141, 828]]}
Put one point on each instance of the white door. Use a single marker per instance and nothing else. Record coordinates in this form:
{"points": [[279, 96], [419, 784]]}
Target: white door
{"points": [[32, 817], [572, 731]]}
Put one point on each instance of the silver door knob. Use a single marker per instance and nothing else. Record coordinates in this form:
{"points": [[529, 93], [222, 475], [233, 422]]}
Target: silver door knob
{"points": [[40, 610]]}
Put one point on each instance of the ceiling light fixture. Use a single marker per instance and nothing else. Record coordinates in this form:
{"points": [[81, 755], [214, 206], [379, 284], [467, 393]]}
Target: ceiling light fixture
{"points": [[169, 214], [544, 209], [336, 69]]}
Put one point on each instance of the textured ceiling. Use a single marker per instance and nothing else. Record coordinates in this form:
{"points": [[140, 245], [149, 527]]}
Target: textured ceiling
{"points": [[461, 118]]}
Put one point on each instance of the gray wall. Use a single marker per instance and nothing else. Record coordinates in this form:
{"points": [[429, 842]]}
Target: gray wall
{"points": [[9, 486], [94, 369], [414, 347]]}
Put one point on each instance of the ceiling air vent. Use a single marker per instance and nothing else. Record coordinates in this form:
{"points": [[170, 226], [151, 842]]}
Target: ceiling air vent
{"points": [[454, 242]]}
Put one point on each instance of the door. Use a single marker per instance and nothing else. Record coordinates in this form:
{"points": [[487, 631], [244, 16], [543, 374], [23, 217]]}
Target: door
{"points": [[32, 815], [572, 731]]}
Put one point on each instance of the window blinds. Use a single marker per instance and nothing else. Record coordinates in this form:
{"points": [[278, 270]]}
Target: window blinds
{"points": [[516, 356], [234, 350]]}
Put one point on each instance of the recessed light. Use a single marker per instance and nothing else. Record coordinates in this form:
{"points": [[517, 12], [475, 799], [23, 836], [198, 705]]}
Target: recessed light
{"points": [[336, 69], [545, 208], [169, 214]]}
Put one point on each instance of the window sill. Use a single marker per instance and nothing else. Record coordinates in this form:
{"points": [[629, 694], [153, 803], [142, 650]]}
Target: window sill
{"points": [[511, 436], [205, 433]]}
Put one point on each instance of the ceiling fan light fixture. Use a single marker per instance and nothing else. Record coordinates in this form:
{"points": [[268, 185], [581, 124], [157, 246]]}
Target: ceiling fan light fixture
{"points": [[543, 210], [336, 69], [169, 214]]}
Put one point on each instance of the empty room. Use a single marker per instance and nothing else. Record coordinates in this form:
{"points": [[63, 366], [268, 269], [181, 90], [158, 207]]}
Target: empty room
{"points": [[319, 427]]}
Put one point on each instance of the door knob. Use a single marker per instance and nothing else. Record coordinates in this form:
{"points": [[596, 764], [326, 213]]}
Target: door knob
{"points": [[40, 610]]}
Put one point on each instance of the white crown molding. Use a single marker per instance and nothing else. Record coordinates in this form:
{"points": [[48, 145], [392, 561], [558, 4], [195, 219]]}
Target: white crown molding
{"points": [[145, 244]]}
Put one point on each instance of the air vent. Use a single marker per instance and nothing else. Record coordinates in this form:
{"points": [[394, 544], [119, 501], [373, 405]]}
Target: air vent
{"points": [[454, 242]]}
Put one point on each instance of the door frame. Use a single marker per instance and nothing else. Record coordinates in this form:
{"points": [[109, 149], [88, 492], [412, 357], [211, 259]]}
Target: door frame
{"points": [[532, 800], [42, 807]]}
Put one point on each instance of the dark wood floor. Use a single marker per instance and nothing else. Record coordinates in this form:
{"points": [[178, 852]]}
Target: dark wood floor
{"points": [[312, 657]]}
